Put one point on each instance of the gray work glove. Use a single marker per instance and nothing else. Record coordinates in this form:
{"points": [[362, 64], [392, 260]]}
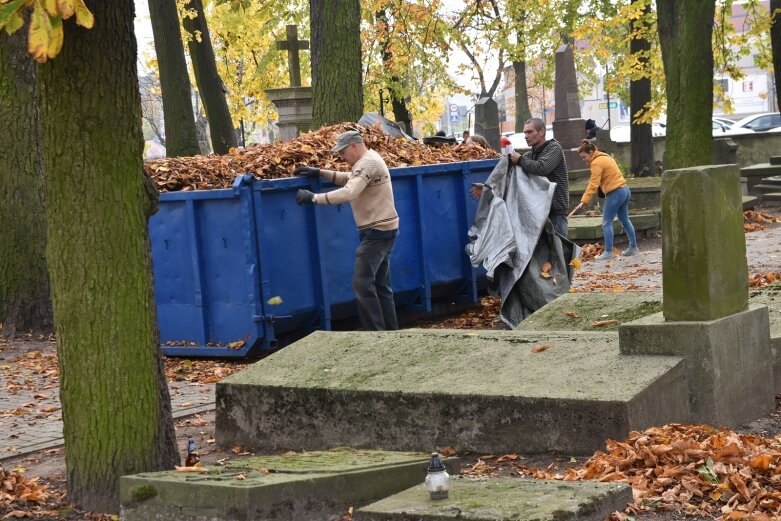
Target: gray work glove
{"points": [[307, 171], [305, 197]]}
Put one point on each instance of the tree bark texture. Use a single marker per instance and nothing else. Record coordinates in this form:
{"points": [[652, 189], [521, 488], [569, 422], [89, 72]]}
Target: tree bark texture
{"points": [[25, 304], [116, 408], [337, 94], [775, 42], [522, 111], [641, 135], [210, 86], [181, 139], [685, 32]]}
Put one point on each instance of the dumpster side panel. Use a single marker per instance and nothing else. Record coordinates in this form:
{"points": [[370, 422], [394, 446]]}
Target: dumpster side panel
{"points": [[289, 255], [175, 279]]}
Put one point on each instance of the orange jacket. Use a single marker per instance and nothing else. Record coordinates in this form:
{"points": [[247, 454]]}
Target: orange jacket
{"points": [[605, 174]]}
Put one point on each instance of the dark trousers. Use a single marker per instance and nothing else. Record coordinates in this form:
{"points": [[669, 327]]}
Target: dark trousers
{"points": [[372, 282], [559, 224]]}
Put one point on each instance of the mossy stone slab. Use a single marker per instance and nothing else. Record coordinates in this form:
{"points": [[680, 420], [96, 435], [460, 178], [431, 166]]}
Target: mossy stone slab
{"points": [[310, 486], [579, 311], [470, 390], [504, 499]]}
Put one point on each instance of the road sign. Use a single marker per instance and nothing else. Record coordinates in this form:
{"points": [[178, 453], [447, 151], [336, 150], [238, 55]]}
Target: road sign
{"points": [[613, 104], [454, 118], [453, 108]]}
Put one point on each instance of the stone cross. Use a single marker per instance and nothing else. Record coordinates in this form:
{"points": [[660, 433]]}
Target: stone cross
{"points": [[292, 45]]}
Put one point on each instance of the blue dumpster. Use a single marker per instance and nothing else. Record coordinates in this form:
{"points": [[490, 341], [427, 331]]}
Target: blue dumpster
{"points": [[235, 268]]}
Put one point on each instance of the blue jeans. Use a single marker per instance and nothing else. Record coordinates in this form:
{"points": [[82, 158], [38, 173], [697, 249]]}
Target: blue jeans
{"points": [[372, 282], [617, 204], [559, 222]]}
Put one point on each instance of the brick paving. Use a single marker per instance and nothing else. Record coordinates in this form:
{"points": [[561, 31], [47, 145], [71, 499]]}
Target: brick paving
{"points": [[30, 415]]}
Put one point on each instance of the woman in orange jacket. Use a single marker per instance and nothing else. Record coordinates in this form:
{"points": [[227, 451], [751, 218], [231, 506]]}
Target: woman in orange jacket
{"points": [[606, 175]]}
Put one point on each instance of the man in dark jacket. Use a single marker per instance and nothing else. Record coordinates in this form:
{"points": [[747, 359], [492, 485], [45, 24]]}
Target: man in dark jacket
{"points": [[546, 158]]}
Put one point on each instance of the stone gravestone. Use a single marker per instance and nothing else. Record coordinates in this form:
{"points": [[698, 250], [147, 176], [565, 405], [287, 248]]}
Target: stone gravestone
{"points": [[294, 103], [706, 318], [487, 121], [568, 127]]}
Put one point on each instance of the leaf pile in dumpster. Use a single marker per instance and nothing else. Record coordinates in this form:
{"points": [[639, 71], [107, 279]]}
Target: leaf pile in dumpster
{"points": [[695, 468], [280, 159]]}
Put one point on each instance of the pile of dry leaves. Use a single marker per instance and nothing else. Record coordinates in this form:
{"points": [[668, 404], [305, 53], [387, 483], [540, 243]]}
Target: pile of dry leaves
{"points": [[200, 371], [484, 317], [17, 493], [696, 468], [763, 280], [754, 221], [279, 159]]}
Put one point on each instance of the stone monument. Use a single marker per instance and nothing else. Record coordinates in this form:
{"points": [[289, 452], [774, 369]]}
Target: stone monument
{"points": [[294, 103], [706, 318], [487, 120], [568, 127]]}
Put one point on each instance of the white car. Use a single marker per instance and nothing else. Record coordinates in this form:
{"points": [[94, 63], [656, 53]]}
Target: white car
{"points": [[720, 129], [621, 133], [724, 122], [760, 122]]}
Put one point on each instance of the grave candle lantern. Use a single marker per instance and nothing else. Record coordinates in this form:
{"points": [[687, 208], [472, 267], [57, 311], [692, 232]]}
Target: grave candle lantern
{"points": [[437, 479]]}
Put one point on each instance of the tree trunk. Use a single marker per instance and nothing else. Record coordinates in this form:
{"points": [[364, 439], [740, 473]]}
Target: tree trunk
{"points": [[689, 78], [522, 111], [210, 85], [400, 110], [116, 409], [25, 304], [641, 135], [181, 138], [775, 42], [337, 95]]}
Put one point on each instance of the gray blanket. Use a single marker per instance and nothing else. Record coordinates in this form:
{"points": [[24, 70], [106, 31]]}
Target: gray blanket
{"points": [[512, 239]]}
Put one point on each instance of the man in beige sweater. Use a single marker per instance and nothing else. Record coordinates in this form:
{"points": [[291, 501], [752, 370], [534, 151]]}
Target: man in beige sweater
{"points": [[367, 187]]}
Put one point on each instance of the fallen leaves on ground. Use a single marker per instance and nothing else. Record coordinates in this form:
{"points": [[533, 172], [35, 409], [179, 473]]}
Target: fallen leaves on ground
{"points": [[484, 317], [280, 159], [202, 371], [615, 281], [18, 493], [762, 280], [541, 347], [695, 468], [754, 221]]}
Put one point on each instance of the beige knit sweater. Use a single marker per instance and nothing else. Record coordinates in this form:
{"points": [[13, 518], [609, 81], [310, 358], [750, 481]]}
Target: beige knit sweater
{"points": [[367, 187]]}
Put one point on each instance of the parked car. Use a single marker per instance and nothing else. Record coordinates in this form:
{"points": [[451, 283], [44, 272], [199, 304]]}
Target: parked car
{"points": [[621, 133], [725, 122], [721, 129], [760, 122]]}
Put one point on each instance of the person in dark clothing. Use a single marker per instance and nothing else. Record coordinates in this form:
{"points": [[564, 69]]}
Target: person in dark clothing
{"points": [[546, 158], [591, 129]]}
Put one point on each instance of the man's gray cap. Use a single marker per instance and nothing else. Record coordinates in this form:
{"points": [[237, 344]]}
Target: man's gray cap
{"points": [[345, 138]]}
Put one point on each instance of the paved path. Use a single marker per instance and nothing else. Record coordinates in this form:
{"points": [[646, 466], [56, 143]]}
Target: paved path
{"points": [[30, 414]]}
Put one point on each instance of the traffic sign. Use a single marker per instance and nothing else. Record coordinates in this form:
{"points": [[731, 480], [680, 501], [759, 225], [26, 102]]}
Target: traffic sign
{"points": [[453, 108], [454, 118]]}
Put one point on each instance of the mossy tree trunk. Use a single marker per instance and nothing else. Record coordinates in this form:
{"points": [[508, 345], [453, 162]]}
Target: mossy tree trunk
{"points": [[641, 135], [181, 138], [25, 304], [522, 111], [337, 93], [210, 85], [775, 42], [685, 31], [116, 407]]}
